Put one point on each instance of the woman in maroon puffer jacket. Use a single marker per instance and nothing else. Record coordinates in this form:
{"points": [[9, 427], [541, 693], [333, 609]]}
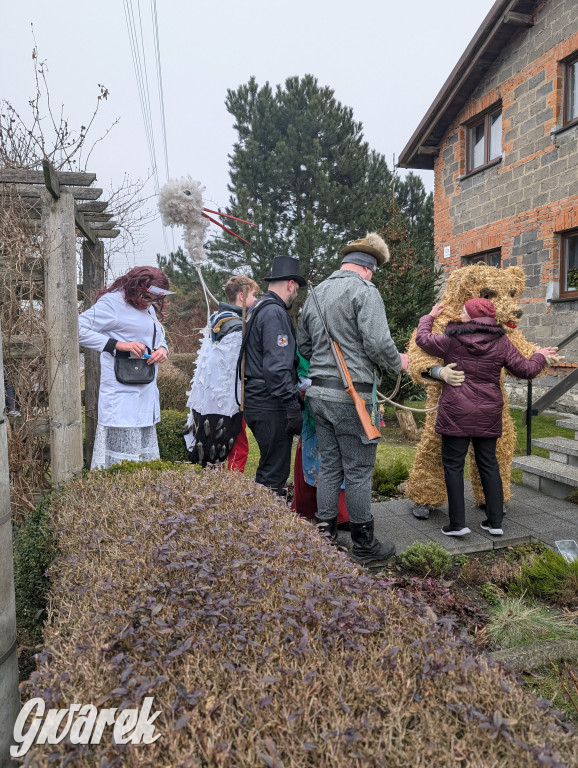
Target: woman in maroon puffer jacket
{"points": [[480, 348]]}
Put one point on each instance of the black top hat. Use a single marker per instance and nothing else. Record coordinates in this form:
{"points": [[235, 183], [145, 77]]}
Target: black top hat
{"points": [[285, 268]]}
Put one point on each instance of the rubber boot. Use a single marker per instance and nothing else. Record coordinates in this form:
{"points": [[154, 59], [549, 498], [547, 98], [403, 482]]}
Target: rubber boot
{"points": [[366, 549], [328, 527]]}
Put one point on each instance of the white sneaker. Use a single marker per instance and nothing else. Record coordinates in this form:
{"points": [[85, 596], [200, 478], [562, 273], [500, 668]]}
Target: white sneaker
{"points": [[487, 526], [450, 530]]}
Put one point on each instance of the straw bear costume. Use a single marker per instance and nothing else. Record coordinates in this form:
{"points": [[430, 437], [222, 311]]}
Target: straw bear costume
{"points": [[502, 287]]}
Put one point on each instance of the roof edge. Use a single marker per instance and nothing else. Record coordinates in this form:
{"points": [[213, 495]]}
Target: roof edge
{"points": [[417, 153]]}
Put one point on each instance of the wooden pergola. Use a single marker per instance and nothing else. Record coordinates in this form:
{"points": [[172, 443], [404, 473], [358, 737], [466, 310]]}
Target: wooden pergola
{"points": [[63, 206]]}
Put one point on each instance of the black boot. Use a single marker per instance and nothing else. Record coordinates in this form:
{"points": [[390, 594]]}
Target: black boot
{"points": [[328, 527], [366, 549]]}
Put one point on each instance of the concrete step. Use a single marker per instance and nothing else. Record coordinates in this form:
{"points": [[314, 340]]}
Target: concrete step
{"points": [[569, 424], [564, 450], [549, 477]]}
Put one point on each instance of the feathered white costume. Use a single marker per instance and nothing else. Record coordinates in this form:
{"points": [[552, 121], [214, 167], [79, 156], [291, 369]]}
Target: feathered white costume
{"points": [[214, 418]]}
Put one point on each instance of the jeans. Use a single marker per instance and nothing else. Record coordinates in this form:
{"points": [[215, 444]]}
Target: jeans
{"points": [[346, 455]]}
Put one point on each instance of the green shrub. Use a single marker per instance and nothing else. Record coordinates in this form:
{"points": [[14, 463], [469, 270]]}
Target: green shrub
{"points": [[173, 385], [513, 623], [386, 477], [546, 576], [491, 593], [170, 436], [35, 548], [185, 362], [427, 559]]}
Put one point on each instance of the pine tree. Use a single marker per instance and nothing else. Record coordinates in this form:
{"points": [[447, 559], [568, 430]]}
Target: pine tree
{"points": [[301, 171], [408, 282]]}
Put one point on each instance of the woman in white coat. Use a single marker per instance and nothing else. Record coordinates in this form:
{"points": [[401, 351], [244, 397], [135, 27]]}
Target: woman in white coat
{"points": [[125, 318]]}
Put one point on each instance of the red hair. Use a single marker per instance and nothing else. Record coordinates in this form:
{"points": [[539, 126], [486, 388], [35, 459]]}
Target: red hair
{"points": [[137, 280]]}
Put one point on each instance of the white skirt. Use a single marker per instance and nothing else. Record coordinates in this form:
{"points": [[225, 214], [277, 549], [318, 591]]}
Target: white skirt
{"points": [[115, 444]]}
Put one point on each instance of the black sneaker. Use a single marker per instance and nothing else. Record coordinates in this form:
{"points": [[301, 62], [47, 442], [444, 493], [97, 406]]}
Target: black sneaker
{"points": [[421, 512], [495, 530], [455, 530]]}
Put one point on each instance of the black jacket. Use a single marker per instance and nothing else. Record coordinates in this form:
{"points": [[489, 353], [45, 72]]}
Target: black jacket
{"points": [[270, 359]]}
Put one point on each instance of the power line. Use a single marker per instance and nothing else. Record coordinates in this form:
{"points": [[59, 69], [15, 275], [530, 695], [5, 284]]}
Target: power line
{"points": [[161, 95], [141, 74], [160, 84], [143, 96]]}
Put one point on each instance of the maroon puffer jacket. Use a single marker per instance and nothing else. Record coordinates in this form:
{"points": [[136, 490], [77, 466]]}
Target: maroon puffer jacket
{"points": [[480, 348]]}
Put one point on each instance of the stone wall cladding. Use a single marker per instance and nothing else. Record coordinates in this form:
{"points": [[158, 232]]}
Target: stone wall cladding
{"points": [[520, 205]]}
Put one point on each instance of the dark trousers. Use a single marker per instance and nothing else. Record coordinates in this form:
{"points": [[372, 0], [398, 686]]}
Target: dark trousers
{"points": [[274, 445], [454, 450]]}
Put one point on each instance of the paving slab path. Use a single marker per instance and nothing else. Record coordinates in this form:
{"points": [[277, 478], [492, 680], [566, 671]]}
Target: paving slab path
{"points": [[530, 516]]}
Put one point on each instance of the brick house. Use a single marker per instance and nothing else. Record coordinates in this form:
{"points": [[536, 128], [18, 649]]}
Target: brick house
{"points": [[502, 139]]}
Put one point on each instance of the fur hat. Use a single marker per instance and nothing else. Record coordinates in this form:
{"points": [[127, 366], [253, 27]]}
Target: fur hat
{"points": [[372, 244], [479, 308]]}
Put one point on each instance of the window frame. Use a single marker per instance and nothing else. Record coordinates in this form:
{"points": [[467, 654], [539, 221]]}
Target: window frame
{"points": [[483, 118], [474, 258], [571, 61], [564, 244]]}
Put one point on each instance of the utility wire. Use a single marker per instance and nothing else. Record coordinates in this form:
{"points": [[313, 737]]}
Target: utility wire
{"points": [[141, 74], [161, 95], [144, 102], [160, 84]]}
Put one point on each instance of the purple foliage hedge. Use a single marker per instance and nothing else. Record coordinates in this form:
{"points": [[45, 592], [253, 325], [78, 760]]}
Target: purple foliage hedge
{"points": [[261, 644]]}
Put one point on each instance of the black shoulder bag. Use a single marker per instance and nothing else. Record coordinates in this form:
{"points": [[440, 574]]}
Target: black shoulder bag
{"points": [[134, 370]]}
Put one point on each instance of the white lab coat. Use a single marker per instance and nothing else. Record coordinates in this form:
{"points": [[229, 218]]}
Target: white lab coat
{"points": [[122, 405]]}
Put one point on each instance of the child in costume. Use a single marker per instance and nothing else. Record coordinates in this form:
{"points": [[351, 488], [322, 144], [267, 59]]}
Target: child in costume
{"points": [[215, 430], [480, 348]]}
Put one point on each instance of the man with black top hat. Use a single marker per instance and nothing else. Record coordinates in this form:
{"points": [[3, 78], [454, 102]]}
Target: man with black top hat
{"points": [[272, 409], [355, 316]]}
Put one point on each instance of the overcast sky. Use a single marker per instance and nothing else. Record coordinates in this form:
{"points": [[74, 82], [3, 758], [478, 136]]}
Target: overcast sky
{"points": [[386, 59]]}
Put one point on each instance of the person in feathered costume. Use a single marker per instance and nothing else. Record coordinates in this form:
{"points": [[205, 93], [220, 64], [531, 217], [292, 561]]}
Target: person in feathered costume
{"points": [[215, 429], [215, 422]]}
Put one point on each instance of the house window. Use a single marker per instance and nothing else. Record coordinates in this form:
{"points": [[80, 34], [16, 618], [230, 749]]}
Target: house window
{"points": [[484, 140], [571, 91], [569, 265], [491, 258]]}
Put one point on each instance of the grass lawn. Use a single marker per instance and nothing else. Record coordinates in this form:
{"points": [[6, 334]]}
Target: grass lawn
{"points": [[396, 446]]}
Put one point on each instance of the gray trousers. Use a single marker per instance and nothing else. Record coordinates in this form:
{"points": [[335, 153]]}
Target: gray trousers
{"points": [[346, 455]]}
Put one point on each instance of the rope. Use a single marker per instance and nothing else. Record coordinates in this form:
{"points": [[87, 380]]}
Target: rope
{"points": [[382, 399], [206, 292]]}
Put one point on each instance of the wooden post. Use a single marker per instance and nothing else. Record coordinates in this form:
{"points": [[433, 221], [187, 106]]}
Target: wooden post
{"points": [[9, 694], [92, 281], [61, 312]]}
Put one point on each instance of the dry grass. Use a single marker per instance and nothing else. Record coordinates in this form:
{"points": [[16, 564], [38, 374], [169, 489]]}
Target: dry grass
{"points": [[503, 572], [261, 644], [473, 573]]}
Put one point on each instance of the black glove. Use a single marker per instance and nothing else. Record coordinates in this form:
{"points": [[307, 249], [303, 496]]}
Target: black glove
{"points": [[294, 420]]}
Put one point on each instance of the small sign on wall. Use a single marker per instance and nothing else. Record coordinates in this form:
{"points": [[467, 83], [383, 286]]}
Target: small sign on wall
{"points": [[447, 251]]}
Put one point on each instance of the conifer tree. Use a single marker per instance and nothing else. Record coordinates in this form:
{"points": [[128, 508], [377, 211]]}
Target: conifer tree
{"points": [[302, 171]]}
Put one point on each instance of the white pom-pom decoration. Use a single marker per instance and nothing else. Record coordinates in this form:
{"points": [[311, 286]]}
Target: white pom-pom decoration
{"points": [[181, 205]]}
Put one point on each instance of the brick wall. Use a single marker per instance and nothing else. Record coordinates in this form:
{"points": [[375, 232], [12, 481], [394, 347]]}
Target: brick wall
{"points": [[520, 204]]}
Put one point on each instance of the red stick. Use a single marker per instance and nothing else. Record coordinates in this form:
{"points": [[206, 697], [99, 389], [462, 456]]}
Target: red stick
{"points": [[230, 231], [230, 217]]}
